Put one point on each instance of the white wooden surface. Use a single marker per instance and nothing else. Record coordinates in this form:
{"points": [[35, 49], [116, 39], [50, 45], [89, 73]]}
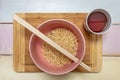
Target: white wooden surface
{"points": [[9, 7], [110, 71]]}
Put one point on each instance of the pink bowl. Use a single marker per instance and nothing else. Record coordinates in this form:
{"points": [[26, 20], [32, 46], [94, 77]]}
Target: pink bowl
{"points": [[35, 46]]}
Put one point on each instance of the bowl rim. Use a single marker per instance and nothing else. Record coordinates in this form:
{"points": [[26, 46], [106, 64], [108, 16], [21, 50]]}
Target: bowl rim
{"points": [[107, 26], [84, 49]]}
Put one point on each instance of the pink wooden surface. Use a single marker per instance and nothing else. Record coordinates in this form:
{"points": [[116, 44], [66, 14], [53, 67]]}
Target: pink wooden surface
{"points": [[111, 40], [6, 38]]}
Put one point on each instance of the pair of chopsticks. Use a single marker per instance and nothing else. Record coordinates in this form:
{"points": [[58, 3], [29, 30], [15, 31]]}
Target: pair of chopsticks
{"points": [[49, 41]]}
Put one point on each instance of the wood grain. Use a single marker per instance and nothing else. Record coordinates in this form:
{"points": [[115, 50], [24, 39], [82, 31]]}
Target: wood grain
{"points": [[22, 61]]}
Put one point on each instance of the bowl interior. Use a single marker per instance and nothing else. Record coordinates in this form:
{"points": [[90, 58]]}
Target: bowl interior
{"points": [[35, 47]]}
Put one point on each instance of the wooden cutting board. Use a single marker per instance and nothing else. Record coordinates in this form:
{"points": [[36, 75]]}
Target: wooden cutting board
{"points": [[21, 58]]}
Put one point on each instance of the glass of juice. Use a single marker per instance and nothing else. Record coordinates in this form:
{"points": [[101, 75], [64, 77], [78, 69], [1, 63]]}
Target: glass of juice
{"points": [[98, 21]]}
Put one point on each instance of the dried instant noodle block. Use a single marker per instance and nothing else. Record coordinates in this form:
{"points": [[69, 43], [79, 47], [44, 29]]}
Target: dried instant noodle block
{"points": [[67, 40]]}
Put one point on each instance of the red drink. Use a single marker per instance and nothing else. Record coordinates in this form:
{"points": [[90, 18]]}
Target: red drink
{"points": [[97, 21]]}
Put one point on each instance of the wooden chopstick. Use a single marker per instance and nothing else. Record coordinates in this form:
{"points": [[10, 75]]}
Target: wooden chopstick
{"points": [[49, 41]]}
